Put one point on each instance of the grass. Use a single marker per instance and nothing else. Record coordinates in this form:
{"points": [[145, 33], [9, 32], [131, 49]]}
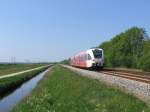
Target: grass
{"points": [[13, 68], [10, 83], [62, 90]]}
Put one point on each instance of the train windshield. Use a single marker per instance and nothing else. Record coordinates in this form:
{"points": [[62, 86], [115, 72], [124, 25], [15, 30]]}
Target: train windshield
{"points": [[97, 53]]}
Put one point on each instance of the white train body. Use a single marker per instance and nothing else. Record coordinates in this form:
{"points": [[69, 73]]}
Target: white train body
{"points": [[92, 58]]}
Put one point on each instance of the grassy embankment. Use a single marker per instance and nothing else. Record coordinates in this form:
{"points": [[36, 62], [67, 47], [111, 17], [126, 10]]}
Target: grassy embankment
{"points": [[13, 68], [10, 83], [62, 90]]}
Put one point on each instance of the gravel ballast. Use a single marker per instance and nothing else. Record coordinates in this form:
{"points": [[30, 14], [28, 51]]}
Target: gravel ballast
{"points": [[139, 89]]}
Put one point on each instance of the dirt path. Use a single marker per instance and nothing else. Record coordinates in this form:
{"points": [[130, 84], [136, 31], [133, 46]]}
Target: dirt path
{"points": [[19, 73]]}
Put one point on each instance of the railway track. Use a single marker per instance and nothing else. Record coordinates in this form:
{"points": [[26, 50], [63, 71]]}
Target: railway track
{"points": [[128, 75]]}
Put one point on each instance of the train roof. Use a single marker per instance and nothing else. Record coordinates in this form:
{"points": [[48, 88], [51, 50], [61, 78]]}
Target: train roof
{"points": [[83, 52], [94, 49]]}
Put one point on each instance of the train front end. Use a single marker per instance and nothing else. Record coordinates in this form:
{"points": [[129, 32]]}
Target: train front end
{"points": [[95, 58]]}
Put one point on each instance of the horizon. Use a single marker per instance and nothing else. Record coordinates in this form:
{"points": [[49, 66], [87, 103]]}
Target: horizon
{"points": [[51, 31]]}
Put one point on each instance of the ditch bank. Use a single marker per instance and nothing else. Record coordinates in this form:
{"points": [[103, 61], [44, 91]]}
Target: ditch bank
{"points": [[9, 101], [9, 84]]}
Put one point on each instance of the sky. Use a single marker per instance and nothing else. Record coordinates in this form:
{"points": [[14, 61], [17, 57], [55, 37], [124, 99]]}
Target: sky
{"points": [[53, 30]]}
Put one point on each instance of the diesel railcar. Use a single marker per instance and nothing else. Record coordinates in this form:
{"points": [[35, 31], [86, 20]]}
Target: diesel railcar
{"points": [[91, 58]]}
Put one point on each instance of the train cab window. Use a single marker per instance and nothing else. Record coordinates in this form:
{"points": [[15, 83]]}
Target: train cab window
{"points": [[97, 53], [89, 57]]}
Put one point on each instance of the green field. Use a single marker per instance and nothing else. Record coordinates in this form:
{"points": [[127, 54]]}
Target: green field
{"points": [[12, 68], [62, 90], [10, 83]]}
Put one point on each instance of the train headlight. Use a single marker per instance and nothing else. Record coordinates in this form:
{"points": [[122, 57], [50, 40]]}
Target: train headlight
{"points": [[94, 60]]}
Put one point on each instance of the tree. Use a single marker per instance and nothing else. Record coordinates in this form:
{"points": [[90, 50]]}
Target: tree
{"points": [[128, 49]]}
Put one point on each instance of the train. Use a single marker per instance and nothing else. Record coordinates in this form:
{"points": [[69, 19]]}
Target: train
{"points": [[91, 58]]}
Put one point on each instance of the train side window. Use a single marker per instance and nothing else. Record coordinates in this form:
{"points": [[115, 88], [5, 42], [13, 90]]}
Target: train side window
{"points": [[85, 57], [89, 57]]}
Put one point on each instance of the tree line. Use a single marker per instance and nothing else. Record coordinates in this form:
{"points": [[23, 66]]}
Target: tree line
{"points": [[129, 49]]}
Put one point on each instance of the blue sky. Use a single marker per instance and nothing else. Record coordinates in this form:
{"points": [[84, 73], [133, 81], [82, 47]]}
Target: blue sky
{"points": [[52, 30]]}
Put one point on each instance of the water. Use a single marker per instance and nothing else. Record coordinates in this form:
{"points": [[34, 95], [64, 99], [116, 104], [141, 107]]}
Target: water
{"points": [[8, 102]]}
